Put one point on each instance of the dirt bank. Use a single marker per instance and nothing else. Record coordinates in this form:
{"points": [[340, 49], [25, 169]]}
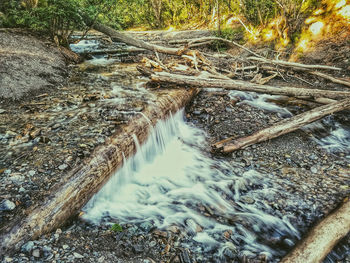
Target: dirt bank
{"points": [[28, 66]]}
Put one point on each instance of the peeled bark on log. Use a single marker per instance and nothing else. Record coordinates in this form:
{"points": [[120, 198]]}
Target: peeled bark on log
{"points": [[316, 73], [245, 86], [293, 64], [81, 183], [322, 238], [122, 37], [333, 79], [283, 127]]}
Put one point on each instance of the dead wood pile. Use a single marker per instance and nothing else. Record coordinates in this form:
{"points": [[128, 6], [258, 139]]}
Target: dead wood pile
{"points": [[191, 68]]}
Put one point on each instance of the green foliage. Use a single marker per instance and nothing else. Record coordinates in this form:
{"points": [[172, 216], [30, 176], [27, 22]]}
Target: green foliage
{"points": [[58, 18], [231, 33], [116, 228], [259, 12]]}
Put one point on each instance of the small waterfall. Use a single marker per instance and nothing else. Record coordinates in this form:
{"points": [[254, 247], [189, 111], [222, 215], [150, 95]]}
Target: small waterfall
{"points": [[171, 181]]}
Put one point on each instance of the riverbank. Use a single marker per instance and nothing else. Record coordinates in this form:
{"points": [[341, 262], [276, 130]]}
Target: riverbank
{"points": [[47, 135]]}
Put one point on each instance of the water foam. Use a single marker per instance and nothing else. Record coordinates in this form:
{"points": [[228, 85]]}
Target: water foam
{"points": [[172, 181]]}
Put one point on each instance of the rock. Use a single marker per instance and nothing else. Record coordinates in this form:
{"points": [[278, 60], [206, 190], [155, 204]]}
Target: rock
{"points": [[137, 249], [313, 169], [138, 109], [77, 255], [27, 247], [31, 173], [21, 190], [8, 259], [62, 167], [2, 111], [65, 246], [153, 243], [247, 200], [146, 226], [36, 253], [7, 205], [101, 259], [33, 134]]}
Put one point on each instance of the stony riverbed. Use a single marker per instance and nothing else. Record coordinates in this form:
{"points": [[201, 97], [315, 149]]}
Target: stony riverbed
{"points": [[68, 123]]}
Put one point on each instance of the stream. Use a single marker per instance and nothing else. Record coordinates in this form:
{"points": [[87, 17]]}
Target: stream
{"points": [[173, 183]]}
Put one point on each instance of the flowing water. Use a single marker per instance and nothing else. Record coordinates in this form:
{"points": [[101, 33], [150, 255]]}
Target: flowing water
{"points": [[220, 208], [171, 181]]}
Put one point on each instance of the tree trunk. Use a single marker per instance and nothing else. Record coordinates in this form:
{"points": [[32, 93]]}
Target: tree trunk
{"points": [[322, 238], [122, 37], [245, 86], [283, 127], [84, 180]]}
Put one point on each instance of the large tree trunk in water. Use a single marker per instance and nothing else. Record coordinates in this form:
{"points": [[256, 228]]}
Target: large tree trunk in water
{"points": [[245, 86], [322, 238], [283, 127], [79, 184], [123, 37]]}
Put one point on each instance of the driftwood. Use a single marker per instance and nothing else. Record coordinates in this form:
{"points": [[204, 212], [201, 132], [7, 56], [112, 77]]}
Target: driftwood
{"points": [[333, 79], [283, 127], [79, 185], [322, 238], [293, 64], [123, 37], [245, 86], [122, 51]]}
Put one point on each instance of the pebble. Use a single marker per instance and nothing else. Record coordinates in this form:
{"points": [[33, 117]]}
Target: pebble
{"points": [[31, 172], [313, 169], [101, 259], [2, 111], [8, 259], [7, 205], [27, 247], [77, 255], [62, 166], [153, 243], [65, 246], [36, 253]]}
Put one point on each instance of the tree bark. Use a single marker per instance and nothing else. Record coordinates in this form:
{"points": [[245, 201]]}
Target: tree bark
{"points": [[83, 181], [322, 238], [283, 127], [293, 64], [245, 86], [122, 37]]}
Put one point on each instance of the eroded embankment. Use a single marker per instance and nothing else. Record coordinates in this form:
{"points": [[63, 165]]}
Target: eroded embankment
{"points": [[59, 146]]}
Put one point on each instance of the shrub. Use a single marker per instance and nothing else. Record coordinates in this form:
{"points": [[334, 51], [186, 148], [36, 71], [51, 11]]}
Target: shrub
{"points": [[58, 18], [116, 228], [258, 12]]}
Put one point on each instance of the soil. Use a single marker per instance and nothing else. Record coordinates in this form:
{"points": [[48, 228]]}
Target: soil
{"points": [[28, 66], [52, 126]]}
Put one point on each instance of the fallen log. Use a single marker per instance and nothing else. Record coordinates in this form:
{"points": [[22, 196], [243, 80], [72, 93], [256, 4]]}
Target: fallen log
{"points": [[165, 77], [322, 238], [123, 37], [283, 127], [316, 73], [83, 181], [293, 64], [121, 51], [330, 78]]}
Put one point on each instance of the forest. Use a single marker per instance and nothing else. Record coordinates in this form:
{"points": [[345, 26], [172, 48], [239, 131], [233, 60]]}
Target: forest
{"points": [[178, 131]]}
